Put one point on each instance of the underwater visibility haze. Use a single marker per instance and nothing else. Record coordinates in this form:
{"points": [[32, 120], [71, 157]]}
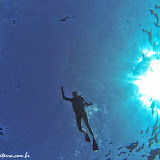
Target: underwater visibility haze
{"points": [[107, 50]]}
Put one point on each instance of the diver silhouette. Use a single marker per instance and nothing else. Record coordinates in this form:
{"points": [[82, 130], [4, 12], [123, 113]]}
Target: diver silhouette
{"points": [[78, 103]]}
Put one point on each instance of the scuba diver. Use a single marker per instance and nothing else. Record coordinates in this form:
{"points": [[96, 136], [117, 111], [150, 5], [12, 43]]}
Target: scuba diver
{"points": [[78, 103]]}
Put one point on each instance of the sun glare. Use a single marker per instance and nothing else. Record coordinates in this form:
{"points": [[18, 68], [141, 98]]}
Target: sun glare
{"points": [[149, 82]]}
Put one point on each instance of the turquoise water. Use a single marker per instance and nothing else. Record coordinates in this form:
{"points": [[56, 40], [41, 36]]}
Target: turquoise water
{"points": [[94, 47]]}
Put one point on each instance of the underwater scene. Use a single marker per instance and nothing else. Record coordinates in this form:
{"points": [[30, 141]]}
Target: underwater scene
{"points": [[80, 80]]}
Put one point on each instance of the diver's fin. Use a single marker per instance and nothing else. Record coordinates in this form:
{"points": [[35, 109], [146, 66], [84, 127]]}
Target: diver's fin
{"points": [[87, 138], [95, 145]]}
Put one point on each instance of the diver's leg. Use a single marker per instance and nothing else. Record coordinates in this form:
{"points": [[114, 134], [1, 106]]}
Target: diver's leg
{"points": [[85, 118], [79, 124]]}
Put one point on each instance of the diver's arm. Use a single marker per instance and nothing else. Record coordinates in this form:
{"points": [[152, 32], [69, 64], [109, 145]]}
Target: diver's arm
{"points": [[65, 98], [87, 104]]}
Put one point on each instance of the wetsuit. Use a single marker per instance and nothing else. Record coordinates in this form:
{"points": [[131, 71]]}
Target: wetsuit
{"points": [[78, 103]]}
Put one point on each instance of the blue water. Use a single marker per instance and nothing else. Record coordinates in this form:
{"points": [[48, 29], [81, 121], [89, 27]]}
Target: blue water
{"points": [[95, 53]]}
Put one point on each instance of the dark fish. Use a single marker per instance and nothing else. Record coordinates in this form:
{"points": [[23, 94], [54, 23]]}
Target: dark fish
{"points": [[156, 6], [141, 132], [122, 153], [154, 153], [120, 148], [14, 21], [147, 130], [64, 19], [19, 85], [107, 154], [132, 146], [151, 10], [140, 148]]}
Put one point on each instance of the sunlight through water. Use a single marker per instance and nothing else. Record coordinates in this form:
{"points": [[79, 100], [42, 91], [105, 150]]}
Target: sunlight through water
{"points": [[149, 82]]}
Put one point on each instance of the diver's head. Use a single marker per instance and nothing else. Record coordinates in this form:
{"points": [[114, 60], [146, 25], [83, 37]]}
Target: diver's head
{"points": [[75, 93]]}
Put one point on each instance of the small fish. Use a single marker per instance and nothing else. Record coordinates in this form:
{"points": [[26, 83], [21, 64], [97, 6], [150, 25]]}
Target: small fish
{"points": [[121, 153], [141, 132], [151, 10], [132, 146], [107, 154], [120, 148], [147, 130], [19, 85], [14, 21], [1, 134], [156, 6], [64, 19], [140, 148]]}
